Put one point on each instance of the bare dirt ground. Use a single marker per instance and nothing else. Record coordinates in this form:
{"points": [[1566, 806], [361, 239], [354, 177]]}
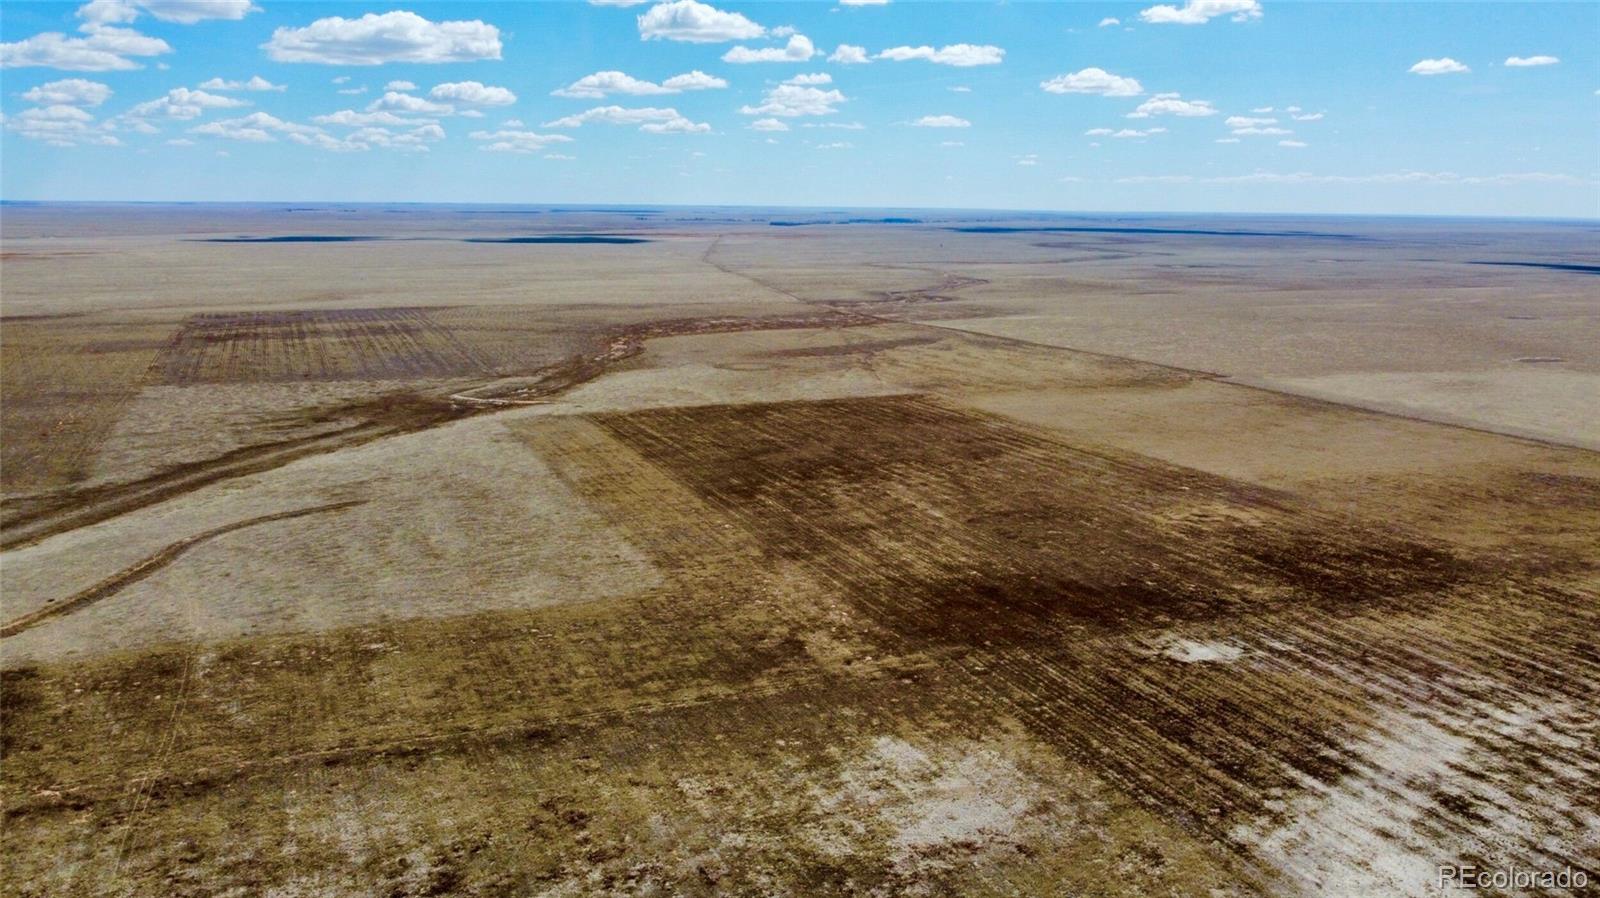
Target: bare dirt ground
{"points": [[971, 556]]}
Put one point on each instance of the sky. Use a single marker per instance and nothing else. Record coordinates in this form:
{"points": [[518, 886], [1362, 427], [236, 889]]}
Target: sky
{"points": [[1196, 105]]}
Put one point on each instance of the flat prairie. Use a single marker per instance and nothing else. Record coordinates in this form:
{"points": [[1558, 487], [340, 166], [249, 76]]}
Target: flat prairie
{"points": [[365, 550]]}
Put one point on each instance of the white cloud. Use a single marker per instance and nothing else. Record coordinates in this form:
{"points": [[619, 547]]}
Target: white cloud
{"points": [[863, 2], [618, 2], [1443, 66], [1109, 21], [512, 123], [473, 93], [181, 103], [951, 143], [961, 89], [835, 126], [782, 31], [790, 100], [1226, 140], [59, 125], [799, 49], [649, 118], [352, 118], [391, 37], [679, 125], [962, 55], [179, 142], [183, 12], [341, 79], [106, 49], [516, 141], [1029, 159], [353, 91], [1246, 121], [600, 84], [688, 20], [768, 124], [1307, 117], [1261, 109], [813, 79], [256, 82], [835, 146], [1093, 80], [561, 157], [394, 101], [1124, 133], [1291, 143], [69, 92], [941, 121], [1254, 131], [849, 54], [257, 127], [695, 80], [400, 86], [1172, 104], [1525, 61], [1199, 12]]}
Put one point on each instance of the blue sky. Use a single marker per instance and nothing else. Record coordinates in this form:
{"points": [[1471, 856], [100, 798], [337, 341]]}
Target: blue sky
{"points": [[1247, 106]]}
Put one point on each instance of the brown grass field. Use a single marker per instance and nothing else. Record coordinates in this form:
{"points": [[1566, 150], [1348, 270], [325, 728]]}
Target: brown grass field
{"points": [[982, 555]]}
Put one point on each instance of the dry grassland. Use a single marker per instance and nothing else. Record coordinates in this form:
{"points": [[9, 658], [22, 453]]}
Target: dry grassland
{"points": [[816, 560]]}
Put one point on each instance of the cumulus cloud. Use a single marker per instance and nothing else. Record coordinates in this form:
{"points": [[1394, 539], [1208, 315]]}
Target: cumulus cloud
{"points": [[849, 54], [941, 121], [183, 12], [1442, 66], [257, 127], [352, 118], [813, 79], [181, 103], [689, 20], [59, 125], [1291, 143], [256, 82], [600, 84], [1173, 104], [1093, 80], [353, 91], [1307, 117], [1109, 21], [1199, 12], [473, 93], [414, 140], [105, 49], [649, 118], [768, 124], [1257, 131], [799, 49], [1248, 121], [400, 85], [679, 125], [1525, 61], [1124, 133], [68, 92], [792, 100], [394, 101], [695, 80], [374, 39], [962, 55]]}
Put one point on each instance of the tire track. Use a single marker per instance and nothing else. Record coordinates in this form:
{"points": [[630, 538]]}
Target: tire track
{"points": [[115, 583]]}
